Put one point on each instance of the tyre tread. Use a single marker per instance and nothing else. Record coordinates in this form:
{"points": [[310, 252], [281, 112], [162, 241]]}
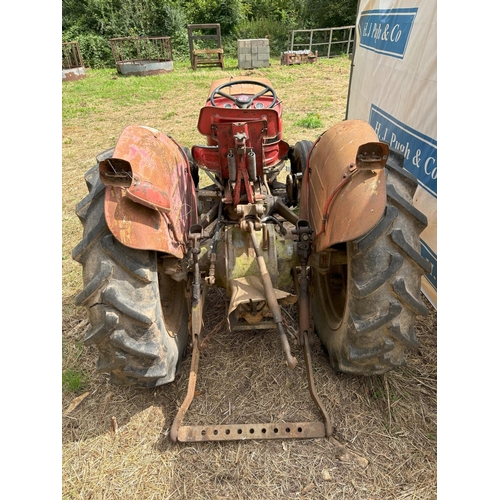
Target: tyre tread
{"points": [[122, 296], [383, 291]]}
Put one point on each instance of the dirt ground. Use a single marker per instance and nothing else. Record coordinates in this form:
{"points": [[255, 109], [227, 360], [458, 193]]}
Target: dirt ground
{"points": [[383, 446]]}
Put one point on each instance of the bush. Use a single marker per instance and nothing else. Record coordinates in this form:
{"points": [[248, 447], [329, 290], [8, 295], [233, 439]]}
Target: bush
{"points": [[174, 22], [228, 13], [96, 51], [275, 31]]}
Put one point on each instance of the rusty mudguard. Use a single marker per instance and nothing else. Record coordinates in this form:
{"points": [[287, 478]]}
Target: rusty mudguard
{"points": [[343, 188], [150, 200]]}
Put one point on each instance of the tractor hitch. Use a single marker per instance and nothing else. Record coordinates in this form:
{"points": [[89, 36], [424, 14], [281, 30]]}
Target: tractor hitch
{"points": [[198, 296], [285, 430]]}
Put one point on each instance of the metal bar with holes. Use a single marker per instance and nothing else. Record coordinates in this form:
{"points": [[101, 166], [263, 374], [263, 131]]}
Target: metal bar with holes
{"points": [[238, 432]]}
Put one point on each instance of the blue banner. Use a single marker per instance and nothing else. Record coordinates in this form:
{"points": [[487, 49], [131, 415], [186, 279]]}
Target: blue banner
{"points": [[420, 151], [386, 31]]}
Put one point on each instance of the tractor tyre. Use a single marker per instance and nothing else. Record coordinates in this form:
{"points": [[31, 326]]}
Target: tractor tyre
{"points": [[298, 161], [192, 167], [364, 305], [138, 315], [298, 158]]}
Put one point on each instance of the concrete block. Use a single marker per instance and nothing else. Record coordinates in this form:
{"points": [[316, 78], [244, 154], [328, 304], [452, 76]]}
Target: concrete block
{"points": [[260, 64], [253, 53]]}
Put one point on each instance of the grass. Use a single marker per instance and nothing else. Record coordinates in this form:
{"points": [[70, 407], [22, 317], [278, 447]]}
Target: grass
{"points": [[390, 421], [311, 120], [74, 380]]}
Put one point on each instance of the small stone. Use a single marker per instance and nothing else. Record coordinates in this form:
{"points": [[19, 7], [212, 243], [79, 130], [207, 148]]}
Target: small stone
{"points": [[326, 475]]}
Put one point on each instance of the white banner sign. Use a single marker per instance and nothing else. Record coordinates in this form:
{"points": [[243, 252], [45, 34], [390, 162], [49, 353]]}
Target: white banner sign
{"points": [[394, 88]]}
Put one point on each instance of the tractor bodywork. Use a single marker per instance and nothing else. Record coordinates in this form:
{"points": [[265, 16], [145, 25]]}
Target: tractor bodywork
{"points": [[267, 238], [150, 196]]}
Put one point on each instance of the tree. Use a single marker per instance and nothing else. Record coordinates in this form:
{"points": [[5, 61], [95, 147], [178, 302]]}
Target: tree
{"points": [[228, 13], [332, 13], [93, 22]]}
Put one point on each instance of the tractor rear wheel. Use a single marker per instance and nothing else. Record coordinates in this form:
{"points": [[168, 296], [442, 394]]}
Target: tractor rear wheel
{"points": [[365, 302], [193, 167], [298, 161], [298, 157], [138, 315]]}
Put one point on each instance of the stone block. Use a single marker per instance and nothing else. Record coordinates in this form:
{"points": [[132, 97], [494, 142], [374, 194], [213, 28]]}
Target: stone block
{"points": [[260, 64], [244, 44], [253, 53]]}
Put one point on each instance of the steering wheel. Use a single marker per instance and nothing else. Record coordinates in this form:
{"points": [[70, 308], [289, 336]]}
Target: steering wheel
{"points": [[243, 101]]}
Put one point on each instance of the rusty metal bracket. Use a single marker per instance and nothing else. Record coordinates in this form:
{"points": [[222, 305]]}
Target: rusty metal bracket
{"points": [[237, 432], [193, 374], [372, 156], [312, 390], [234, 432], [197, 304], [304, 232]]}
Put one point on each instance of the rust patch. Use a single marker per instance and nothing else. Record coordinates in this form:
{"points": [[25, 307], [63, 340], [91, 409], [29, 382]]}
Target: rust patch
{"points": [[156, 210], [341, 202]]}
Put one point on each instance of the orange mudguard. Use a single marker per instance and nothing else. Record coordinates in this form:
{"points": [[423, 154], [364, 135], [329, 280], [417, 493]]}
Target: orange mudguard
{"points": [[150, 200], [343, 187]]}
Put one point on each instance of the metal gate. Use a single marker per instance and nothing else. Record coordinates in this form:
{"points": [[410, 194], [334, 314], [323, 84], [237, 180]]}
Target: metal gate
{"points": [[328, 42], [72, 62], [142, 55]]}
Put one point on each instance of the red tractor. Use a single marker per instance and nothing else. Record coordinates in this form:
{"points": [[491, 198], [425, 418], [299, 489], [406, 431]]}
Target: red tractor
{"points": [[338, 235]]}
